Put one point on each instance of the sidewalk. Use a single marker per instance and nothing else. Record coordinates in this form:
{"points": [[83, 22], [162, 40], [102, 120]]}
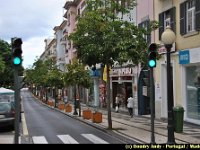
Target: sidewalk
{"points": [[138, 128]]}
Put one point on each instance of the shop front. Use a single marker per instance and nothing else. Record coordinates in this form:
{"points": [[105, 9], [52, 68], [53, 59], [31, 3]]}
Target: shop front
{"points": [[123, 84], [190, 62]]}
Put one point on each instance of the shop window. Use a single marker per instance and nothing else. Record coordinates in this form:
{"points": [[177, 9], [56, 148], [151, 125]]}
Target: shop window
{"points": [[193, 92]]}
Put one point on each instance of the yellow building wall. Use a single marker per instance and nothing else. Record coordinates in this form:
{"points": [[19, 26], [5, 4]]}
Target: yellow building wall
{"points": [[182, 43]]}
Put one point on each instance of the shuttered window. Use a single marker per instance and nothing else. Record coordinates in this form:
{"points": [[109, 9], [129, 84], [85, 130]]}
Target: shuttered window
{"points": [[197, 14], [189, 16], [167, 18]]}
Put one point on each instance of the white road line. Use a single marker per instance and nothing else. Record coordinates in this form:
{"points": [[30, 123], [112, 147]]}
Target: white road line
{"points": [[94, 139], [24, 126], [67, 139], [39, 140]]}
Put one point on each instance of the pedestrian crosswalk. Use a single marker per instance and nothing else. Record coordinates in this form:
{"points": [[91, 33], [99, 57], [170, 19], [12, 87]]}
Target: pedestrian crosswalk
{"points": [[68, 139], [39, 140]]}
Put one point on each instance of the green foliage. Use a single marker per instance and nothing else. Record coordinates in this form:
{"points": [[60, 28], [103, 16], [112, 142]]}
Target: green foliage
{"points": [[102, 37], [77, 75], [41, 73], [6, 70]]}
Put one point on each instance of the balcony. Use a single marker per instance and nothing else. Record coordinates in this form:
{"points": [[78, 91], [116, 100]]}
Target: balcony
{"points": [[63, 41]]}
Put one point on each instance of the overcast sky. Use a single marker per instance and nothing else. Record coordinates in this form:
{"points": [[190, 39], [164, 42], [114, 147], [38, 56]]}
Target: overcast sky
{"points": [[31, 20]]}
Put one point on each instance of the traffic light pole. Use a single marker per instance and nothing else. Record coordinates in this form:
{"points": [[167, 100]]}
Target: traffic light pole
{"points": [[152, 104], [17, 104], [16, 61]]}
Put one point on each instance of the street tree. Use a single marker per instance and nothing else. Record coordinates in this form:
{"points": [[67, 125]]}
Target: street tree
{"points": [[76, 76], [102, 37], [6, 70]]}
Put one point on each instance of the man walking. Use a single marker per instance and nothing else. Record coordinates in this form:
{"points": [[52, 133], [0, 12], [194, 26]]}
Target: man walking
{"points": [[130, 105]]}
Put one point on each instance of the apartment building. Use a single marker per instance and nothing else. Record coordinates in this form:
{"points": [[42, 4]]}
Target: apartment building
{"points": [[60, 33], [50, 50], [184, 18]]}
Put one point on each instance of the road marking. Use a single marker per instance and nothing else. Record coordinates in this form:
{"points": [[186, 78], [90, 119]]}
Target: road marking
{"points": [[39, 140], [67, 139], [94, 139], [24, 126]]}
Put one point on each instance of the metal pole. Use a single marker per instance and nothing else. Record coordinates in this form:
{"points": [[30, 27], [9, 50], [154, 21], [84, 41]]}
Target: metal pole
{"points": [[170, 127], [152, 103], [17, 104]]}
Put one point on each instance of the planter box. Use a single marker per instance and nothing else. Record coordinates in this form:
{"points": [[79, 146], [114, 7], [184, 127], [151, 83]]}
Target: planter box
{"points": [[50, 103], [61, 106], [68, 108], [97, 117], [87, 114]]}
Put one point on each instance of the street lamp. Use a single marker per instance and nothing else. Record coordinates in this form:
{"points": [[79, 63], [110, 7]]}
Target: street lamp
{"points": [[168, 38]]}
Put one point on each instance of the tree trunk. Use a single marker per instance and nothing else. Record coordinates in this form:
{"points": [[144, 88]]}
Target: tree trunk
{"points": [[108, 98], [79, 101], [46, 94]]}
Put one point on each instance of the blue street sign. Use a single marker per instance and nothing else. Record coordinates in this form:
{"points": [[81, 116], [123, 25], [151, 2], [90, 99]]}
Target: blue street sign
{"points": [[184, 57]]}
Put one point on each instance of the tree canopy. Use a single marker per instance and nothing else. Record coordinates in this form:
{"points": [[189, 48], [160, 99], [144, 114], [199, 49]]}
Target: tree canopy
{"points": [[102, 37], [6, 71]]}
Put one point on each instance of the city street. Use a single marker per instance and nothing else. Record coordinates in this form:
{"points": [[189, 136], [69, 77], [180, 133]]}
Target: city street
{"points": [[49, 126]]}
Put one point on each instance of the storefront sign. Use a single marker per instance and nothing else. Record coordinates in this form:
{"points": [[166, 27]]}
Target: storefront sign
{"points": [[121, 71], [184, 57]]}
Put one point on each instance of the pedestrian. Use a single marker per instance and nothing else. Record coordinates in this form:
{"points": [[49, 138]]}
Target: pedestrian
{"points": [[130, 105], [117, 100]]}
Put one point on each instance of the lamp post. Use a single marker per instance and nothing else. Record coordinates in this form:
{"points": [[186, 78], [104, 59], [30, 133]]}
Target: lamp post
{"points": [[168, 38]]}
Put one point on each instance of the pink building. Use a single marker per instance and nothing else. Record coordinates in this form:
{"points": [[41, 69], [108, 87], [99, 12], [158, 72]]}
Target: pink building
{"points": [[145, 14]]}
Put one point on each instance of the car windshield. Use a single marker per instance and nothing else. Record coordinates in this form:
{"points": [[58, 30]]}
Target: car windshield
{"points": [[6, 98], [5, 107]]}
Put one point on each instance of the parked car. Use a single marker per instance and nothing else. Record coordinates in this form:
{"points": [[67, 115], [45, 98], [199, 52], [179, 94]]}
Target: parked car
{"points": [[7, 114]]}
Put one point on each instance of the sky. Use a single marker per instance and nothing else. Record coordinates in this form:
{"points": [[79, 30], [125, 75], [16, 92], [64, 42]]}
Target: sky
{"points": [[32, 21]]}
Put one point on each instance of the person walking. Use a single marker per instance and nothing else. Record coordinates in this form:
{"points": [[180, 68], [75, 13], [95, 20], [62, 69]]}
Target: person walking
{"points": [[117, 100], [130, 105]]}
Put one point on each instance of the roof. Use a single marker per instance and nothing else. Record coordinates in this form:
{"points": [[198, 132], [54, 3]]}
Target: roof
{"points": [[6, 91]]}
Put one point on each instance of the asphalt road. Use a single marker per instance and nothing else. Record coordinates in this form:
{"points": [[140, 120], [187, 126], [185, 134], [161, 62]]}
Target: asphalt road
{"points": [[46, 125]]}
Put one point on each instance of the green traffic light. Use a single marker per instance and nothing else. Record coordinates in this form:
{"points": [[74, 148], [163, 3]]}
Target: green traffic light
{"points": [[16, 61], [152, 63]]}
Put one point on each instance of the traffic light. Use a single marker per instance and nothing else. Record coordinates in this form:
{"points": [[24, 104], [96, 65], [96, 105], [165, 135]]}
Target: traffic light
{"points": [[16, 51], [152, 55]]}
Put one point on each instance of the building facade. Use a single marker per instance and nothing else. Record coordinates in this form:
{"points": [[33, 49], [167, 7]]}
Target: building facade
{"points": [[184, 18]]}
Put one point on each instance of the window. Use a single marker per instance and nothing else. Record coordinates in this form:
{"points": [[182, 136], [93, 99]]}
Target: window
{"points": [[167, 18], [189, 16], [193, 92], [145, 24], [79, 12]]}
